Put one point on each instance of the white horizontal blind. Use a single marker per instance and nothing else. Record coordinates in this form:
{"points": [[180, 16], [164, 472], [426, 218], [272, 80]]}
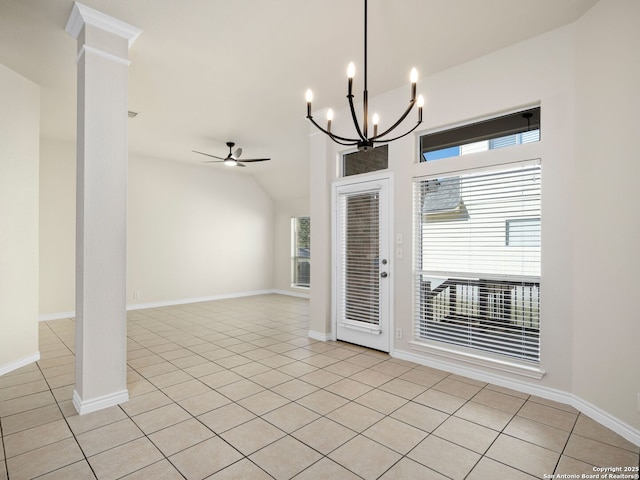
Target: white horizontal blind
{"points": [[359, 270], [474, 288]]}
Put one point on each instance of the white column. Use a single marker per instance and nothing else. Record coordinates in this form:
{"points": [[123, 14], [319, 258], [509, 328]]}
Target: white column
{"points": [[101, 208]]}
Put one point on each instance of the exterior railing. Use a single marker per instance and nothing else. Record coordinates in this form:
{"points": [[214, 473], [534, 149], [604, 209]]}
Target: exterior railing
{"points": [[501, 316]]}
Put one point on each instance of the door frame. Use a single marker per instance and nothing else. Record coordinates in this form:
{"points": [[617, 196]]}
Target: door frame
{"points": [[357, 180]]}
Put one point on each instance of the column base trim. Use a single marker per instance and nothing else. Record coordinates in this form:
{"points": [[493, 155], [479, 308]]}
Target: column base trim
{"points": [[95, 404]]}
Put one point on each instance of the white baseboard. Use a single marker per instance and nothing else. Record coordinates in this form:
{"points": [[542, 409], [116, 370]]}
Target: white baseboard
{"points": [[95, 404], [56, 316], [597, 414], [169, 303], [322, 337], [183, 301], [22, 362], [292, 293], [609, 421]]}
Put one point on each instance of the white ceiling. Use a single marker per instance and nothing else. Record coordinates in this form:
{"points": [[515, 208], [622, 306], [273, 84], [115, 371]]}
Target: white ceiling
{"points": [[204, 72]]}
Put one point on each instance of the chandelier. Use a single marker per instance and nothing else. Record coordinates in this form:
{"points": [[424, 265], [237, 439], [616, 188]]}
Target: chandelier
{"points": [[364, 141]]}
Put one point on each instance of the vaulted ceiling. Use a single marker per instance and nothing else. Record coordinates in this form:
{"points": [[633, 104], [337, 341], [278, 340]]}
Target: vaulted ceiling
{"points": [[204, 72]]}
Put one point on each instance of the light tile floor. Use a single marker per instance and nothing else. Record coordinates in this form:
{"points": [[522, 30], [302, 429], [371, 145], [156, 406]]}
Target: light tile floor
{"points": [[234, 389]]}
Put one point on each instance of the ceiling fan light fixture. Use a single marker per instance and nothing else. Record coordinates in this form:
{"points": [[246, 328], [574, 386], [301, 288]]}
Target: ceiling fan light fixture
{"points": [[233, 157], [364, 141]]}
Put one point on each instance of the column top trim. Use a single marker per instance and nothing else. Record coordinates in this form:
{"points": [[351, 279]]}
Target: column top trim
{"points": [[82, 15]]}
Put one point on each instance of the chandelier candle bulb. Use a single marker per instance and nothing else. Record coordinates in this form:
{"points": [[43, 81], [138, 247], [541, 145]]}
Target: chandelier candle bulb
{"points": [[413, 77], [351, 72], [309, 97], [375, 120], [329, 118], [420, 105]]}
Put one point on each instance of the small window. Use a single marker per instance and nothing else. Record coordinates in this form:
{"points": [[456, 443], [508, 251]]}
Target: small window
{"points": [[365, 161], [301, 252], [523, 232], [514, 129]]}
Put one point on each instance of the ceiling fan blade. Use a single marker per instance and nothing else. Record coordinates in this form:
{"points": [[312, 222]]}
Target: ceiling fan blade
{"points": [[239, 164], [255, 160], [208, 155], [213, 161], [237, 153]]}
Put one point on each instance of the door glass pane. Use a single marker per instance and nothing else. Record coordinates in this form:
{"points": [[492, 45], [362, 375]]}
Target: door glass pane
{"points": [[360, 250]]}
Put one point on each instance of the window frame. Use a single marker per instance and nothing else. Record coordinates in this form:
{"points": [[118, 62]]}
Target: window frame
{"points": [[485, 160]]}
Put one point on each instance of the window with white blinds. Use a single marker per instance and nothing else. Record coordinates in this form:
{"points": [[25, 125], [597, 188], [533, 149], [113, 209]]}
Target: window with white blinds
{"points": [[478, 260], [359, 246]]}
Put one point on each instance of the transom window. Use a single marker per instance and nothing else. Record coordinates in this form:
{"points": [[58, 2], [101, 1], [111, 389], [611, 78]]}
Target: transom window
{"points": [[514, 129], [365, 161]]}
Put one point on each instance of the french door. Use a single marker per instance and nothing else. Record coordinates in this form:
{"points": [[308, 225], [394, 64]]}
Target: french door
{"points": [[361, 263]]}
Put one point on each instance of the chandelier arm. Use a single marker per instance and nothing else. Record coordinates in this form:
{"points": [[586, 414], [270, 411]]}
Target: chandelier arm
{"points": [[400, 136], [334, 137], [400, 120], [346, 144], [355, 118]]}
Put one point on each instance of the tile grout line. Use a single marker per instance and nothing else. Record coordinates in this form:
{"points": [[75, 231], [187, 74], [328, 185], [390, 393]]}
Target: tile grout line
{"points": [[195, 320], [64, 417]]}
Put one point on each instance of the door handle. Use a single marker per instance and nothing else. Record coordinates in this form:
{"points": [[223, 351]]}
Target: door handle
{"points": [[384, 274]]}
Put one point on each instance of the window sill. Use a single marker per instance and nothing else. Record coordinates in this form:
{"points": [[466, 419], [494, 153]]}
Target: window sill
{"points": [[479, 359]]}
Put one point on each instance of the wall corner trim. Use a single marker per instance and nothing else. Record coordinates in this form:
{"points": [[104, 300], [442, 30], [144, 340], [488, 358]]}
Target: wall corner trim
{"points": [[322, 337], [95, 404], [22, 362]]}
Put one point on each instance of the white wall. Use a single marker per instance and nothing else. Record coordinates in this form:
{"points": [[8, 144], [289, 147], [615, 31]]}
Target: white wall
{"points": [[599, 182], [19, 132], [285, 210], [606, 242], [194, 232], [57, 226]]}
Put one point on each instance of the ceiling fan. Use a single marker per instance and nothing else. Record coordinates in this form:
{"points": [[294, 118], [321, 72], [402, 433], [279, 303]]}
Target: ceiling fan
{"points": [[232, 159]]}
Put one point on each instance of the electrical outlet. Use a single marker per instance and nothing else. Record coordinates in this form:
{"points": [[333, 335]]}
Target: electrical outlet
{"points": [[399, 336], [136, 294]]}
